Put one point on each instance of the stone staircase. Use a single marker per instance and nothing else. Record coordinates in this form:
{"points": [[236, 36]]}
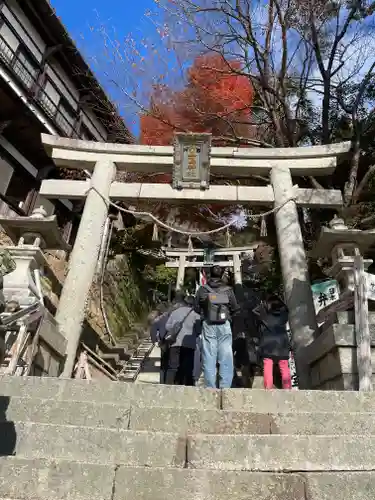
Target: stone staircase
{"points": [[135, 364], [79, 440], [127, 356]]}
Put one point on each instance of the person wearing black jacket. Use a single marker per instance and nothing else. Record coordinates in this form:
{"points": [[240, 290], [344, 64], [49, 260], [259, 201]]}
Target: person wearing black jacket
{"points": [[216, 303], [274, 346]]}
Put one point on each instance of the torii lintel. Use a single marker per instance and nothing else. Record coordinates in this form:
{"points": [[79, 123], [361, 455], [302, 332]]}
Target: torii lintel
{"points": [[80, 154]]}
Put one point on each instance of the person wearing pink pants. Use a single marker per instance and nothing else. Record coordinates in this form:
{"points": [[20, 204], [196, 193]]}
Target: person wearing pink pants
{"points": [[274, 341], [286, 379]]}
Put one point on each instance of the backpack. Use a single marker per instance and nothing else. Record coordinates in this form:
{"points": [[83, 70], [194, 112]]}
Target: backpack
{"points": [[172, 334], [217, 305]]}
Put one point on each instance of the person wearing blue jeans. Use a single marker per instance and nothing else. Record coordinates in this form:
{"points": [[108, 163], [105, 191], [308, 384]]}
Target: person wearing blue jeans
{"points": [[216, 303], [217, 348]]}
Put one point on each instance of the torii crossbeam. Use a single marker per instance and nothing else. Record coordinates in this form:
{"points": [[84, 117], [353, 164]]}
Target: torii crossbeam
{"points": [[280, 163]]}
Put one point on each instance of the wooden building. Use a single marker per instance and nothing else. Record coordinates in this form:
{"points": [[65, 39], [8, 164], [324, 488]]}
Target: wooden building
{"points": [[45, 86]]}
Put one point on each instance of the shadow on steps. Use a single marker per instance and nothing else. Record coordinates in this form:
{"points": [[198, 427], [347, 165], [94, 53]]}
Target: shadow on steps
{"points": [[8, 435]]}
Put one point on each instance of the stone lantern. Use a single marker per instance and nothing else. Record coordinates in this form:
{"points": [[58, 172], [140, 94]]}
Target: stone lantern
{"points": [[30, 235], [343, 244]]}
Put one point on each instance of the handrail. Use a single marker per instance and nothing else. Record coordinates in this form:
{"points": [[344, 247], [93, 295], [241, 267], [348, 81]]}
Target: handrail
{"points": [[94, 355]]}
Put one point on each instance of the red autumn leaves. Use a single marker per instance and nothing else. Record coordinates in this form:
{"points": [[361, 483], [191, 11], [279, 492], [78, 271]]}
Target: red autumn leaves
{"points": [[215, 99]]}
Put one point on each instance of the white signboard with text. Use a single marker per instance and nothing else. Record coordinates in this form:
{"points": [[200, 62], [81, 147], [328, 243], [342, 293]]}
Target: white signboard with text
{"points": [[325, 293]]}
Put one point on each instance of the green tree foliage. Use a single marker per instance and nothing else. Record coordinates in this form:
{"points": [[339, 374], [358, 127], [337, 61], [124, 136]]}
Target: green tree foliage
{"points": [[127, 301], [160, 275]]}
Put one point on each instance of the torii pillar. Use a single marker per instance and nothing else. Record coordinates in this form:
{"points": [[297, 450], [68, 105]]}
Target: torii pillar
{"points": [[83, 261], [281, 164], [297, 285]]}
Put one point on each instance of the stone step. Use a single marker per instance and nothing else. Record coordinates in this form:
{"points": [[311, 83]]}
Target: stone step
{"points": [[111, 357], [276, 453], [122, 344], [125, 415], [130, 378], [122, 363], [279, 401], [59, 480], [57, 412], [240, 422], [92, 444], [104, 391], [185, 484], [115, 350], [257, 401], [255, 453], [131, 368], [48, 479]]}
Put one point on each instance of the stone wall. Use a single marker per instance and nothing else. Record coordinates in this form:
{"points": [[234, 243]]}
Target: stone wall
{"points": [[51, 348], [46, 362], [59, 266], [332, 357]]}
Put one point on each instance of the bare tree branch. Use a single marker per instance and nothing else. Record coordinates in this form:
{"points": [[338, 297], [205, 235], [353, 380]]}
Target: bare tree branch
{"points": [[362, 185]]}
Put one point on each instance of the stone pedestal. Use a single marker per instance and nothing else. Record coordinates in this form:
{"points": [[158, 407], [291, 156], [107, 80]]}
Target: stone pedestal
{"points": [[332, 357], [19, 286]]}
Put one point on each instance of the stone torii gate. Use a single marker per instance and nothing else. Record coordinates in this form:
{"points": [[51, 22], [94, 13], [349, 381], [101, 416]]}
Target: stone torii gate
{"points": [[182, 258], [104, 159]]}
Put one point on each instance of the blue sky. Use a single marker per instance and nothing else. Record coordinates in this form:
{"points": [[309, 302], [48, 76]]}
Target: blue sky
{"points": [[123, 16], [78, 15]]}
